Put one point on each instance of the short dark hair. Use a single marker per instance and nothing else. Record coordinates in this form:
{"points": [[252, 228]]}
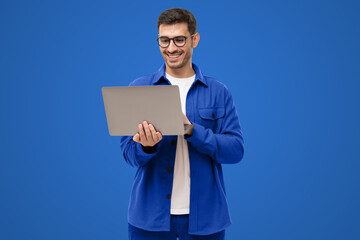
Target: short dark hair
{"points": [[178, 15]]}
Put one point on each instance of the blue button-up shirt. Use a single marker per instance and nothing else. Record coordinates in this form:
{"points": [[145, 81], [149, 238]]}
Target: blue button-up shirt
{"points": [[216, 140]]}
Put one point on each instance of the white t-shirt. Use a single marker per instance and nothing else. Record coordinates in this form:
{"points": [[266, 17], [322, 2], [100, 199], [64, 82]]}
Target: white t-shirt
{"points": [[180, 197]]}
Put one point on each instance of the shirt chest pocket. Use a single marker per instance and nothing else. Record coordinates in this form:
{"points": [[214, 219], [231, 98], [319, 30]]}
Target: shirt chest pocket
{"points": [[212, 118]]}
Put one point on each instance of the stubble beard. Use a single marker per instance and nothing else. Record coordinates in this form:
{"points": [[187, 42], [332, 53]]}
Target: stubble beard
{"points": [[178, 65]]}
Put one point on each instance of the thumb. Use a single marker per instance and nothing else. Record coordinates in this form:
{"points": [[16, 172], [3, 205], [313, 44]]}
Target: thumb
{"points": [[136, 137]]}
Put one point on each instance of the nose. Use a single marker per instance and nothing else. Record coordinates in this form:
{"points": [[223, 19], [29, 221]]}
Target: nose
{"points": [[172, 47]]}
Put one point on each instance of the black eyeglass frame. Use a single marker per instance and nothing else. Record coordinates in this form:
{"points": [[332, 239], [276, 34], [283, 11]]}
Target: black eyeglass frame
{"points": [[157, 40]]}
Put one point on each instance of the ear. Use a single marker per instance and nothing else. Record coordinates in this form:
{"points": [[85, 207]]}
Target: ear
{"points": [[195, 40]]}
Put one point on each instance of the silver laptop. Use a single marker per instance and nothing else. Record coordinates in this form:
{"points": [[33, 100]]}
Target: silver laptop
{"points": [[126, 107]]}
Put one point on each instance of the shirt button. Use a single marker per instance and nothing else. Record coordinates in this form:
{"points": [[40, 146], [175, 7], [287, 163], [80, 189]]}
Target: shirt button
{"points": [[170, 169], [213, 115], [172, 142], [168, 196]]}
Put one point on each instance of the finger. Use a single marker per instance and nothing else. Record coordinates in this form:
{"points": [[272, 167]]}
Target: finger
{"points": [[147, 131], [141, 132], [185, 119], [159, 136], [153, 133], [136, 137]]}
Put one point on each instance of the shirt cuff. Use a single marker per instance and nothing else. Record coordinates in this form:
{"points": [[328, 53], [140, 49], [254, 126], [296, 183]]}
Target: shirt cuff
{"points": [[198, 135], [147, 151]]}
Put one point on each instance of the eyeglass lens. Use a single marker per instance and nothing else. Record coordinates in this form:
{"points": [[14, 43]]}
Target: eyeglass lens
{"points": [[179, 41]]}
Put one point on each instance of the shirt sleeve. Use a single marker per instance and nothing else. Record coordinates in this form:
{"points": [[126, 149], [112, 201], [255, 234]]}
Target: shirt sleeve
{"points": [[134, 154], [227, 146]]}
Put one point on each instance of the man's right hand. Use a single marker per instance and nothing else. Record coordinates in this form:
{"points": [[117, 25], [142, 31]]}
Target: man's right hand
{"points": [[147, 135]]}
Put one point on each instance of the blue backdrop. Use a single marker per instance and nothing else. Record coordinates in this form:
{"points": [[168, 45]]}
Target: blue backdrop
{"points": [[293, 68]]}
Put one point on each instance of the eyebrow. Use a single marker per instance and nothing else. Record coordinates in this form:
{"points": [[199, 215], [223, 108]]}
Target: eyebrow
{"points": [[173, 37]]}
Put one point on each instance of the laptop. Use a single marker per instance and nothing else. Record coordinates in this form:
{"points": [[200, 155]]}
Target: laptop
{"points": [[126, 107]]}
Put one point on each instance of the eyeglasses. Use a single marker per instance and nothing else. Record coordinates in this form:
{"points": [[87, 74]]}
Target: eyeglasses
{"points": [[179, 41]]}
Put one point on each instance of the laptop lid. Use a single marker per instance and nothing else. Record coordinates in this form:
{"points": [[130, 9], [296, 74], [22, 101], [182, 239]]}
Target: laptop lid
{"points": [[126, 107]]}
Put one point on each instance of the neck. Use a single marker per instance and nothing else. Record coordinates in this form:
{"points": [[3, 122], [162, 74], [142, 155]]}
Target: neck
{"points": [[184, 72]]}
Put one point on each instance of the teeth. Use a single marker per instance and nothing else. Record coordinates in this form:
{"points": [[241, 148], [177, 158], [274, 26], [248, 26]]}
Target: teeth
{"points": [[174, 55]]}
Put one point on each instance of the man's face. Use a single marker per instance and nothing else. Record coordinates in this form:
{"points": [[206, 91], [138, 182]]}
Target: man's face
{"points": [[177, 57]]}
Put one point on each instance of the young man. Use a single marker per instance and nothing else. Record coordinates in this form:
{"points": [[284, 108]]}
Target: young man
{"points": [[178, 189]]}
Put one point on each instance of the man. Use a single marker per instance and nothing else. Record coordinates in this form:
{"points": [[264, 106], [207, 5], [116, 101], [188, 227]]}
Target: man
{"points": [[178, 189]]}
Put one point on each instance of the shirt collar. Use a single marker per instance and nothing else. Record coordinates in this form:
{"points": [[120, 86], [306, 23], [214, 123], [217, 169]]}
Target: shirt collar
{"points": [[160, 75]]}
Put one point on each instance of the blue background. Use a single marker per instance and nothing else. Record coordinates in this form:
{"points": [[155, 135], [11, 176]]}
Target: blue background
{"points": [[293, 68]]}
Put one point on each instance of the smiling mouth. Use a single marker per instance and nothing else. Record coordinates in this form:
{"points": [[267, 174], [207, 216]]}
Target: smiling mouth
{"points": [[174, 56]]}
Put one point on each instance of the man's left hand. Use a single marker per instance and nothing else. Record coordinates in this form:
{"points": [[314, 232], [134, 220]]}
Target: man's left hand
{"points": [[188, 126], [186, 120]]}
